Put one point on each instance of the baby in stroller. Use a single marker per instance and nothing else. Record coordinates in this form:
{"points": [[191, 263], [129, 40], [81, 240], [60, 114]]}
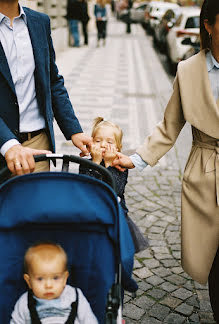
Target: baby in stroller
{"points": [[107, 141], [49, 298]]}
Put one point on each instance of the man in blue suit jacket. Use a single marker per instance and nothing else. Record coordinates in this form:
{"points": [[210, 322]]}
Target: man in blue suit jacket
{"points": [[31, 90]]}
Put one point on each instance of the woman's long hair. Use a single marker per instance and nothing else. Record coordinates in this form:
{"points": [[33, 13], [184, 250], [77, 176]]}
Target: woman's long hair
{"points": [[209, 11]]}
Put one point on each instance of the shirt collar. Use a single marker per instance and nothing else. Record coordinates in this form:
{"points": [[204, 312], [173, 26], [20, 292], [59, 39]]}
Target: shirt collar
{"points": [[211, 62], [21, 15]]}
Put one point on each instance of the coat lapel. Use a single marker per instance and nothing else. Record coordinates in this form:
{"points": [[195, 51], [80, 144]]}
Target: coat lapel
{"points": [[36, 33], [4, 68], [199, 106]]}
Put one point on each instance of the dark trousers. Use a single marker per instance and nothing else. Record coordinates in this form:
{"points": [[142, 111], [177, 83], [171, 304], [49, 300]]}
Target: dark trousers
{"points": [[101, 29], [213, 282], [84, 29]]}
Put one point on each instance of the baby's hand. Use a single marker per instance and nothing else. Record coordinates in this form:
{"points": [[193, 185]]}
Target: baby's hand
{"points": [[96, 154], [109, 155]]}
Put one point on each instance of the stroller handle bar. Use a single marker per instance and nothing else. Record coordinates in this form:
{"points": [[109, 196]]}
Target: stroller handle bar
{"points": [[107, 177]]}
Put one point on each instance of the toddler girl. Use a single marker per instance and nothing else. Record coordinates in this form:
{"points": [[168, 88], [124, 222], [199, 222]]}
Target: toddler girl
{"points": [[49, 299], [107, 141]]}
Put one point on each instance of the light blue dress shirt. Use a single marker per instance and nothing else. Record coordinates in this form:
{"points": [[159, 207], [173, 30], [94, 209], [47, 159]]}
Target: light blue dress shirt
{"points": [[17, 46], [213, 73]]}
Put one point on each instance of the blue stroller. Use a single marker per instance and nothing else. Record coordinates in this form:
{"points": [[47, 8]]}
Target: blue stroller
{"points": [[80, 213]]}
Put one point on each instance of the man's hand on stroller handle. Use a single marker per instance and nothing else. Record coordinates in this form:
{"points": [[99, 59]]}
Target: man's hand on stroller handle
{"points": [[20, 159]]}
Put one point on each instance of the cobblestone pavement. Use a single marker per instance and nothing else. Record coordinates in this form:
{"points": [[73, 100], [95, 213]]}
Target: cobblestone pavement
{"points": [[125, 82]]}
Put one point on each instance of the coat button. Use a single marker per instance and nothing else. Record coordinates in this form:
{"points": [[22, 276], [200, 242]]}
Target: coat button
{"points": [[16, 103], [16, 132]]}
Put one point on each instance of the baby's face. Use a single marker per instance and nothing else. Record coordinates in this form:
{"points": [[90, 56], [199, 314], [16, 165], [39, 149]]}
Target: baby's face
{"points": [[47, 278]]}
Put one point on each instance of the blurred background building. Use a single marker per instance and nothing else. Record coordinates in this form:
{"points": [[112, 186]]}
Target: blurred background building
{"points": [[56, 9]]}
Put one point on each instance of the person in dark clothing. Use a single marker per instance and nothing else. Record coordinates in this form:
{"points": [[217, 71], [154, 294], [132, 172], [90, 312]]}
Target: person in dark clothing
{"points": [[107, 140], [128, 25], [74, 16], [84, 20]]}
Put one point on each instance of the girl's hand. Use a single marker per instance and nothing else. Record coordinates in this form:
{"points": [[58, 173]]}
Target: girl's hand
{"points": [[109, 155], [96, 154]]}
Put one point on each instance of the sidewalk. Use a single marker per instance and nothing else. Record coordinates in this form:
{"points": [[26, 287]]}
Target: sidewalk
{"points": [[125, 82]]}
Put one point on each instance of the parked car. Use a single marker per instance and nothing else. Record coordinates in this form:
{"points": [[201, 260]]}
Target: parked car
{"points": [[166, 23], [137, 13], [187, 25], [154, 13], [195, 47]]}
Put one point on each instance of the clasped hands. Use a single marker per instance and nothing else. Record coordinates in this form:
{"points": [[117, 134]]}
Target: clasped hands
{"points": [[107, 154]]}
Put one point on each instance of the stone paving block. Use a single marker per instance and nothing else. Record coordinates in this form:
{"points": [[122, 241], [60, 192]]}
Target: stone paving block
{"points": [[144, 302], [150, 320], [159, 311], [155, 280], [162, 272], [177, 270], [156, 293], [176, 279], [169, 263], [194, 318], [171, 302], [151, 264], [133, 312], [185, 309], [174, 319], [144, 254], [144, 285], [143, 273], [168, 286], [193, 301], [182, 293], [162, 256]]}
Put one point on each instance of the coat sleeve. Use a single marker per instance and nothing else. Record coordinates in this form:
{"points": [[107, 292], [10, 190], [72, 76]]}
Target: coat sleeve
{"points": [[166, 132], [61, 105]]}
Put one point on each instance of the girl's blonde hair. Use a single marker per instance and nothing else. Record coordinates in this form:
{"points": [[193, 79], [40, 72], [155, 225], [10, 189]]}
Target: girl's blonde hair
{"points": [[118, 133]]}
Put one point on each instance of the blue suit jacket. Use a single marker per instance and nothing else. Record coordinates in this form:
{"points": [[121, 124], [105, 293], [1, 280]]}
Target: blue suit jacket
{"points": [[52, 96]]}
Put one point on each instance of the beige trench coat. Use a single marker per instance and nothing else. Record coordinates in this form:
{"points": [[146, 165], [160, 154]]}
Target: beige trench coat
{"points": [[193, 101]]}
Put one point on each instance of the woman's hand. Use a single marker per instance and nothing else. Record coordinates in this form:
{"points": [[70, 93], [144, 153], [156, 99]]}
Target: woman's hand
{"points": [[96, 153], [121, 162], [109, 155]]}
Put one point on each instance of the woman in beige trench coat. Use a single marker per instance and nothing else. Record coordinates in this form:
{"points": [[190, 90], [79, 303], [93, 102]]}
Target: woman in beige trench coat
{"points": [[195, 99]]}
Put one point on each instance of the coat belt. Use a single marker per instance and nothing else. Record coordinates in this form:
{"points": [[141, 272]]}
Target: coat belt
{"points": [[213, 162]]}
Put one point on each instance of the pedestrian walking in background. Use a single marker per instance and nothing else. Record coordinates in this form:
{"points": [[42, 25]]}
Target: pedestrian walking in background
{"points": [[107, 140], [100, 13], [195, 99], [74, 16], [128, 23], [84, 20], [31, 91]]}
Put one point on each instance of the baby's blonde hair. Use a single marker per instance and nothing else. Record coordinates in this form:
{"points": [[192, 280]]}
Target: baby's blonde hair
{"points": [[118, 133], [49, 250]]}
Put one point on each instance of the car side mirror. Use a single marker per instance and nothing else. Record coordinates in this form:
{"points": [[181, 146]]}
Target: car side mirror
{"points": [[187, 41]]}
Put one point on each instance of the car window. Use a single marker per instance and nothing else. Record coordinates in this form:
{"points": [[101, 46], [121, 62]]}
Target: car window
{"points": [[192, 22], [142, 7]]}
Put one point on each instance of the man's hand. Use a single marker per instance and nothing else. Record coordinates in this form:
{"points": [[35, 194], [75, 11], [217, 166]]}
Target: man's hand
{"points": [[83, 142], [122, 162], [20, 159]]}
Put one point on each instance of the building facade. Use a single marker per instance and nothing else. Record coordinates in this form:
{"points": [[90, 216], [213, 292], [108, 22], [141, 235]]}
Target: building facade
{"points": [[56, 9]]}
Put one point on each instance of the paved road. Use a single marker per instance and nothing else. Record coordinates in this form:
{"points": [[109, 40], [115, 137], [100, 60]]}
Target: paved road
{"points": [[125, 82]]}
